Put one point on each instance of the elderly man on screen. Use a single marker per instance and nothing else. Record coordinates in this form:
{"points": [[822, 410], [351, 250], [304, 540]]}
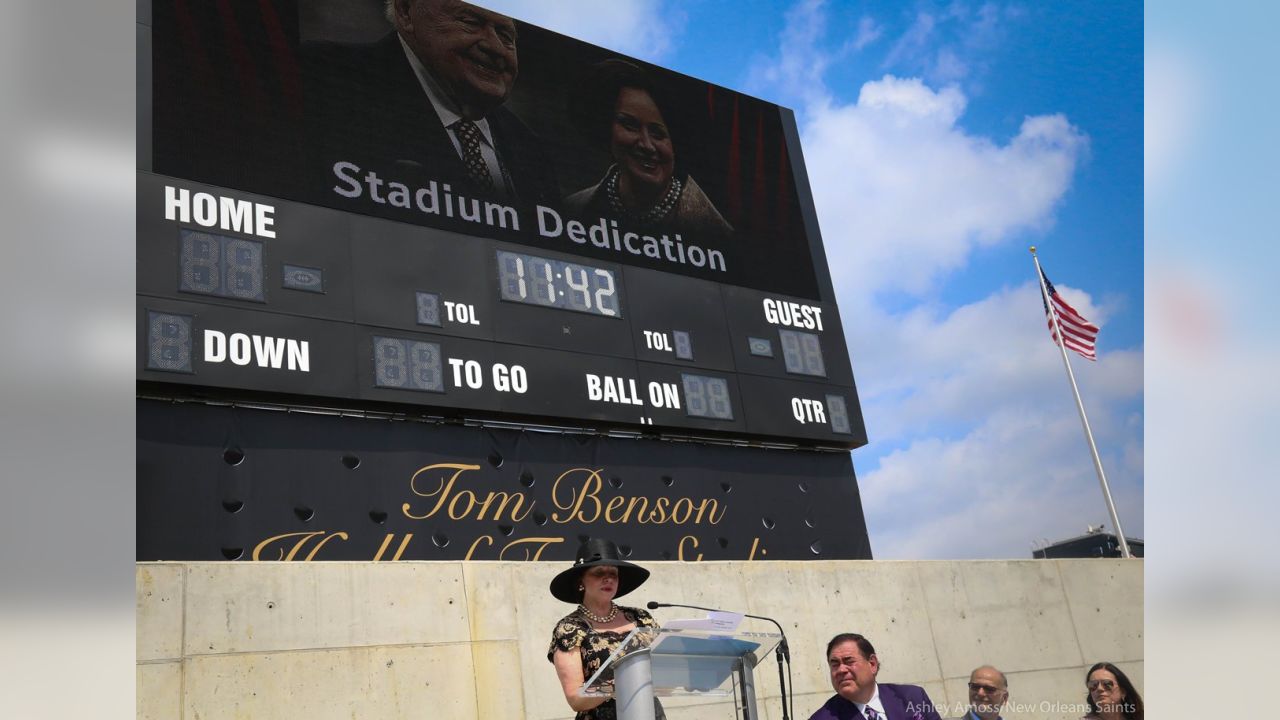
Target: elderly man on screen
{"points": [[854, 666], [427, 102], [988, 692]]}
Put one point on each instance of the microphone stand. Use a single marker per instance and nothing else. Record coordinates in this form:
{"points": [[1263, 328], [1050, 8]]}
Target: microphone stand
{"points": [[783, 651], [780, 652]]}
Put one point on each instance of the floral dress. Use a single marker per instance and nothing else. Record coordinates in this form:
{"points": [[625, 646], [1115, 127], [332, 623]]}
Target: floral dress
{"points": [[574, 631]]}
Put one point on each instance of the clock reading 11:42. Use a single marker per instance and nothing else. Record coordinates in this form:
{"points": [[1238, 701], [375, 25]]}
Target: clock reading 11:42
{"points": [[553, 283]]}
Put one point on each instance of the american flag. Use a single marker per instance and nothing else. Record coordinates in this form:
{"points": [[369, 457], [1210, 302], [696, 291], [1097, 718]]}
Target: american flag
{"points": [[1081, 335]]}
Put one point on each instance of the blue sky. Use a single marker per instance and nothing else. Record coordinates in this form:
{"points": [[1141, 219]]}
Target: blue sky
{"points": [[941, 140]]}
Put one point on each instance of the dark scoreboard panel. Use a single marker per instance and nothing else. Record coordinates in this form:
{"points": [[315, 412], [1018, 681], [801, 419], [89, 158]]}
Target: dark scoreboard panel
{"points": [[240, 293]]}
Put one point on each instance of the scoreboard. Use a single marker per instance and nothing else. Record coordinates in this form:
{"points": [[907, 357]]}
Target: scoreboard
{"points": [[246, 296], [353, 345], [302, 241]]}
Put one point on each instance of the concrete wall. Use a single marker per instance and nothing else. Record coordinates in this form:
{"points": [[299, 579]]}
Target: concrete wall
{"points": [[468, 640]]}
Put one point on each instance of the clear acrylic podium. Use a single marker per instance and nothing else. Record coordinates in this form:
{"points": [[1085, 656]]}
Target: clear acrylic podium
{"points": [[651, 663]]}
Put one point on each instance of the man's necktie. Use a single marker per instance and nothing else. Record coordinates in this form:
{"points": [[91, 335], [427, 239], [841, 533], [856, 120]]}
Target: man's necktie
{"points": [[469, 138], [872, 714]]}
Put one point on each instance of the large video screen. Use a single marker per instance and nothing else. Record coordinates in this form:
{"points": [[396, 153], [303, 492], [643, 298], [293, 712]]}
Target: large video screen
{"points": [[446, 115]]}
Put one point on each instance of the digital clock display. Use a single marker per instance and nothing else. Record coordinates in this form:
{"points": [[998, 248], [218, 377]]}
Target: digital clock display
{"points": [[552, 283], [707, 397], [298, 255]]}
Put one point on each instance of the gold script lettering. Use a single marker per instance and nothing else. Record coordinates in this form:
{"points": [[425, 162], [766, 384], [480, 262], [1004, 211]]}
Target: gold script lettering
{"points": [[463, 504], [387, 543], [659, 514], [303, 538], [685, 508], [472, 550], [576, 494], [442, 489], [516, 516], [537, 555], [311, 555], [680, 547], [578, 497], [617, 502], [712, 514]]}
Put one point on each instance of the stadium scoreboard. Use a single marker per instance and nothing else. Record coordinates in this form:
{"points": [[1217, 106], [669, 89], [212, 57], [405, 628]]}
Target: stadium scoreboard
{"points": [[243, 296]]}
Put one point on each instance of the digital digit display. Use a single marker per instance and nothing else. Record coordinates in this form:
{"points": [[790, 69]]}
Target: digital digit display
{"points": [[428, 309], [293, 253], [407, 364], [684, 345], [802, 353], [223, 266], [357, 313], [839, 413], [168, 342], [707, 397], [541, 281]]}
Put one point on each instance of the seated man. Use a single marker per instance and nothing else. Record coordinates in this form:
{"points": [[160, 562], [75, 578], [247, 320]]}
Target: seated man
{"points": [[988, 692], [854, 667]]}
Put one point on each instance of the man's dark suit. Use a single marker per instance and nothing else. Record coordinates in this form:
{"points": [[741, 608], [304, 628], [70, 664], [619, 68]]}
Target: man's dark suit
{"points": [[901, 702], [366, 106]]}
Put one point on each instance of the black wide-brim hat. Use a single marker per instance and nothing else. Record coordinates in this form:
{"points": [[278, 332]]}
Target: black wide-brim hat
{"points": [[593, 552]]}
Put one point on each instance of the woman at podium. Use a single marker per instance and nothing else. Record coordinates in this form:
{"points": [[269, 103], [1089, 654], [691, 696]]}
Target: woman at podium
{"points": [[584, 639]]}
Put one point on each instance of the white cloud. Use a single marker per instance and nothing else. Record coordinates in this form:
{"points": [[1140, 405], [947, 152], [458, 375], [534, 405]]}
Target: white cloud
{"points": [[977, 430], [914, 43], [972, 423], [904, 193], [794, 77], [949, 67], [911, 99], [929, 371], [948, 47], [640, 28], [992, 455], [868, 32], [1015, 479]]}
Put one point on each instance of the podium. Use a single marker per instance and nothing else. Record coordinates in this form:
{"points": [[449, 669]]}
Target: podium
{"points": [[651, 663]]}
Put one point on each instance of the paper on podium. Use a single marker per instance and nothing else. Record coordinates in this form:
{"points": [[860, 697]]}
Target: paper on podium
{"points": [[715, 621], [684, 661]]}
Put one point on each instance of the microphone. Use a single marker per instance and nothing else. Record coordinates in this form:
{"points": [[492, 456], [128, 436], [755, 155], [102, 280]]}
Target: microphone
{"points": [[782, 652], [782, 646]]}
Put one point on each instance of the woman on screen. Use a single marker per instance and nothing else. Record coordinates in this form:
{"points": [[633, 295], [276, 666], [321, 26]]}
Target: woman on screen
{"points": [[584, 639], [642, 188]]}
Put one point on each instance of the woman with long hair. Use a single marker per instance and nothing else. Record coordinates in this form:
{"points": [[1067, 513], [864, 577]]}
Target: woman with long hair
{"points": [[1112, 695]]}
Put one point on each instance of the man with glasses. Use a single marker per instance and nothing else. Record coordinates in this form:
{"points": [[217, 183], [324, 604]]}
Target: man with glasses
{"points": [[988, 692], [854, 666]]}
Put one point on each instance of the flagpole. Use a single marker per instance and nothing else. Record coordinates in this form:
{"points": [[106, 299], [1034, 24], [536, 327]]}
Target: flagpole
{"points": [[1084, 419]]}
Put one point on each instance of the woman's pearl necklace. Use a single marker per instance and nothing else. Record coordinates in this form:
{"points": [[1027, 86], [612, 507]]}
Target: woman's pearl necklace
{"points": [[613, 613], [648, 217]]}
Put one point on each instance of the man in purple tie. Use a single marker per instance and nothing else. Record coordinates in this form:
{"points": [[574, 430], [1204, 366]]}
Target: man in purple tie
{"points": [[854, 666]]}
